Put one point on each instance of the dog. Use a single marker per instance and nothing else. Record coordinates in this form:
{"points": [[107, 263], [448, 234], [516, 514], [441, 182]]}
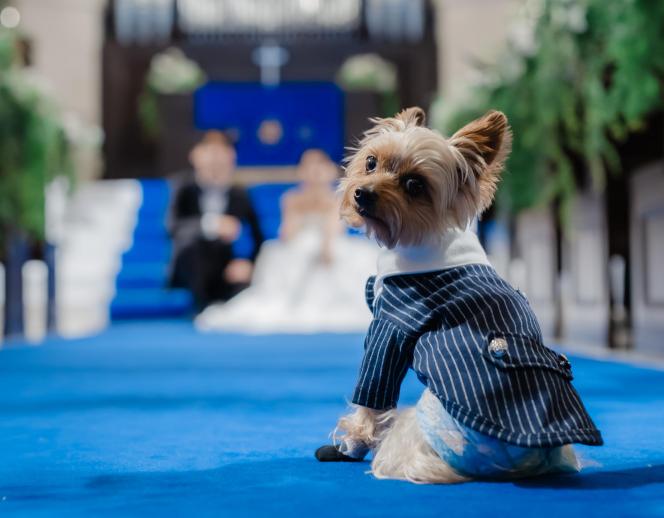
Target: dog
{"points": [[497, 403]]}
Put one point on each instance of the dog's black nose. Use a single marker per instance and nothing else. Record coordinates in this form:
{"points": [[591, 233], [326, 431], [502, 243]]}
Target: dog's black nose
{"points": [[365, 198]]}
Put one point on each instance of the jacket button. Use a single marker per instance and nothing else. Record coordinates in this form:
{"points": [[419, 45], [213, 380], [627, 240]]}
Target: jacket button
{"points": [[564, 362], [498, 347]]}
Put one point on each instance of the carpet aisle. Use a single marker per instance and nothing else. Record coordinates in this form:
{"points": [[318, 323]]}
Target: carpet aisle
{"points": [[154, 418]]}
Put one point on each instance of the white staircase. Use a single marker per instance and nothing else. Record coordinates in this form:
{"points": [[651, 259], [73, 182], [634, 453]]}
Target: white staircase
{"points": [[95, 229]]}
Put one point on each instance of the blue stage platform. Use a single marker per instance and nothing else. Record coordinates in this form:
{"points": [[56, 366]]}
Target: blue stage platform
{"points": [[151, 418]]}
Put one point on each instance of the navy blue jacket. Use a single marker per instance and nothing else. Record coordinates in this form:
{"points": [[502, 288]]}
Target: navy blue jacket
{"points": [[442, 324]]}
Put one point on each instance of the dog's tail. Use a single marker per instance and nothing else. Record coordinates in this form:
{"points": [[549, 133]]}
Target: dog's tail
{"points": [[403, 453]]}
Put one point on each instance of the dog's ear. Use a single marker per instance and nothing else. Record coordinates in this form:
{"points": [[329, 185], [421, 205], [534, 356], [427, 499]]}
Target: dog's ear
{"points": [[488, 137], [413, 116], [484, 144]]}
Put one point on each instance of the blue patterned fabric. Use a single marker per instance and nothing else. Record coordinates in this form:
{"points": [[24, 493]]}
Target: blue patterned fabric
{"points": [[442, 324], [475, 455]]}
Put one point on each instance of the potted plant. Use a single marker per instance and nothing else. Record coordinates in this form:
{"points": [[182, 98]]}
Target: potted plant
{"points": [[578, 77], [33, 151]]}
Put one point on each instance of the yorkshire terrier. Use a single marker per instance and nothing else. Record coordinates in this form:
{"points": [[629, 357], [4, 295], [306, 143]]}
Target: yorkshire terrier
{"points": [[498, 403]]}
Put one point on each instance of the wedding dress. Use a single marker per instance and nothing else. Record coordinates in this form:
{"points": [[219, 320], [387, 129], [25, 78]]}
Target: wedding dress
{"points": [[293, 291]]}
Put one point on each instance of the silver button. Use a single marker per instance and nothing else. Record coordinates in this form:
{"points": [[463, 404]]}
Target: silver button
{"points": [[498, 347], [563, 361]]}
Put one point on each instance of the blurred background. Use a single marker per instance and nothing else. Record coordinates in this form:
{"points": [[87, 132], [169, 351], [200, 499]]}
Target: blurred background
{"points": [[152, 148]]}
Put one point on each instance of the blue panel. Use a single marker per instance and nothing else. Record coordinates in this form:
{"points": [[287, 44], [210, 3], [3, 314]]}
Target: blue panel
{"points": [[274, 125]]}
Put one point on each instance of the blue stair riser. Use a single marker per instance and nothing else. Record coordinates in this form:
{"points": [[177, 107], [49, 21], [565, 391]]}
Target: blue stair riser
{"points": [[141, 284]]}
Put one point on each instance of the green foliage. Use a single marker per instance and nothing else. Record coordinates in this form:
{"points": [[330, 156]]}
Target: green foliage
{"points": [[578, 77], [33, 146]]}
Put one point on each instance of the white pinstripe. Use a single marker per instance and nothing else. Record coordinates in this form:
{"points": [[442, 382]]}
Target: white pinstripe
{"points": [[475, 313], [537, 380], [412, 304], [501, 325]]}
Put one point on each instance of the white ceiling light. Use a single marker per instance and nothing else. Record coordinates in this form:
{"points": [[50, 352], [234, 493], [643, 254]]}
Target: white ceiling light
{"points": [[10, 17], [309, 6]]}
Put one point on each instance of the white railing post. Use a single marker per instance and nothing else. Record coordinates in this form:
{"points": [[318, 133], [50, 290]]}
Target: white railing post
{"points": [[35, 300]]}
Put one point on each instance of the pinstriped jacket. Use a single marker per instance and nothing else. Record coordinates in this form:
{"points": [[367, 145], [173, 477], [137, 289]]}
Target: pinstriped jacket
{"points": [[441, 324]]}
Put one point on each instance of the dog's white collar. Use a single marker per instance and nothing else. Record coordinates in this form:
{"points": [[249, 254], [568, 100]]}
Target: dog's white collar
{"points": [[455, 247]]}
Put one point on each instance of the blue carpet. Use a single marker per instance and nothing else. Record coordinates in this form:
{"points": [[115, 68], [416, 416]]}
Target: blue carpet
{"points": [[153, 418]]}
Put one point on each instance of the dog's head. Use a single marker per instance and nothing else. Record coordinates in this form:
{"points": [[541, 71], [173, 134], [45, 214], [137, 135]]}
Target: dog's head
{"points": [[409, 184]]}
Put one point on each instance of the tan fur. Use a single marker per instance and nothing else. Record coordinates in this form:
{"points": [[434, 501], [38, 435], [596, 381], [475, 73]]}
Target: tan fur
{"points": [[461, 175], [485, 144], [363, 425]]}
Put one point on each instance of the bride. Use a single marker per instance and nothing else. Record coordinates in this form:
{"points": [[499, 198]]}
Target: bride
{"points": [[311, 279]]}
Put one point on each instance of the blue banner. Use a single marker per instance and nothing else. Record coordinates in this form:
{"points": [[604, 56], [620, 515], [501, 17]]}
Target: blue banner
{"points": [[274, 125]]}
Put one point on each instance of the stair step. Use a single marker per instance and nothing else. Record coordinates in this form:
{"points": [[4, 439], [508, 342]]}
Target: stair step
{"points": [[150, 303]]}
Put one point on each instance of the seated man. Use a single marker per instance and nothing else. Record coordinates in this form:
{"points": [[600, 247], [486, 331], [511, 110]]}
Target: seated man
{"points": [[206, 217]]}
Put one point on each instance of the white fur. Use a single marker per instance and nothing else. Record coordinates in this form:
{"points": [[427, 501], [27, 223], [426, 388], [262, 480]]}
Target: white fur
{"points": [[400, 449]]}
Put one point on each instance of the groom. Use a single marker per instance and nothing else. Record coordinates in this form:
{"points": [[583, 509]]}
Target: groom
{"points": [[206, 217]]}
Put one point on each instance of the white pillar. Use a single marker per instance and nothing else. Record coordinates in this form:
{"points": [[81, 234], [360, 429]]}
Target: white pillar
{"points": [[469, 32], [66, 38], [35, 300]]}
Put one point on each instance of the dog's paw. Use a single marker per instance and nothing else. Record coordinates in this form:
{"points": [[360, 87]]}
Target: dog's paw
{"points": [[329, 453]]}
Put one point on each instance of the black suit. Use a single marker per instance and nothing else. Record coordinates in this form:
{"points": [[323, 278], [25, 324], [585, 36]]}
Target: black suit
{"points": [[199, 262]]}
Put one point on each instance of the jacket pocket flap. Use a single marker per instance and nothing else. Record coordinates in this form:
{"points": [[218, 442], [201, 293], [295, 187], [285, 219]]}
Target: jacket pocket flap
{"points": [[515, 351]]}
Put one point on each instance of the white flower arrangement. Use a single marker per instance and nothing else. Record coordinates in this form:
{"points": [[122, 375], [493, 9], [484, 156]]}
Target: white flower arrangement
{"points": [[81, 134], [172, 72], [368, 72]]}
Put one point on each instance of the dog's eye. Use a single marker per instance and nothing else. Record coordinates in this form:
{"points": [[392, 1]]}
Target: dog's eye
{"points": [[371, 164], [414, 186]]}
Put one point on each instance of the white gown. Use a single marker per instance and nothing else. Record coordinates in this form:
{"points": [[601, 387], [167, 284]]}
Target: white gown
{"points": [[292, 291]]}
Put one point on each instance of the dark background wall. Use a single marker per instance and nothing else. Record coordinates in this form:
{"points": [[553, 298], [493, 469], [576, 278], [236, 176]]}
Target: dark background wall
{"points": [[129, 153]]}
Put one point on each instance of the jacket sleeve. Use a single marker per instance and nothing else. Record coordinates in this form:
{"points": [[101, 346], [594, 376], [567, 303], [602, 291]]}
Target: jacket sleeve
{"points": [[387, 356], [369, 292], [241, 207], [183, 220], [256, 231]]}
